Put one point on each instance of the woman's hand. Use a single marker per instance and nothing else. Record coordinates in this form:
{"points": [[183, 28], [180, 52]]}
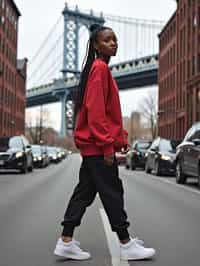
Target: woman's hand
{"points": [[125, 149], [109, 159]]}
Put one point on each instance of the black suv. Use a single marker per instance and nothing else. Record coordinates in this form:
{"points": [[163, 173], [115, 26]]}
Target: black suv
{"points": [[136, 156], [161, 156], [188, 156], [16, 153]]}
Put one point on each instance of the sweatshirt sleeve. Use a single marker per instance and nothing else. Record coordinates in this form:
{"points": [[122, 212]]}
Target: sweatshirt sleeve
{"points": [[97, 89]]}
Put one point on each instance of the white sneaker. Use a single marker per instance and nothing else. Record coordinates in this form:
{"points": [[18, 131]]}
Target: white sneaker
{"points": [[133, 251], [139, 241], [70, 250]]}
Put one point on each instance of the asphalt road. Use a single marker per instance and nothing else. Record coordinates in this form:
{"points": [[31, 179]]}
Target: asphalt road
{"points": [[162, 213]]}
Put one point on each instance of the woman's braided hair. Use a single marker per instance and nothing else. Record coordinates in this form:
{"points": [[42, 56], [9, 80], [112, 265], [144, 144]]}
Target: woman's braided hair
{"points": [[91, 54]]}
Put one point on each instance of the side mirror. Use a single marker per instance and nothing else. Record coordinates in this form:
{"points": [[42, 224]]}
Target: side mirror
{"points": [[196, 142], [28, 146], [154, 149]]}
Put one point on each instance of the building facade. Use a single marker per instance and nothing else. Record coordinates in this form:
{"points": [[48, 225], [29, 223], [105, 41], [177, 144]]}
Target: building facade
{"points": [[179, 71], [12, 73]]}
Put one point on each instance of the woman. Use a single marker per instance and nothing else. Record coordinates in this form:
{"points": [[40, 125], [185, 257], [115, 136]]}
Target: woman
{"points": [[99, 134]]}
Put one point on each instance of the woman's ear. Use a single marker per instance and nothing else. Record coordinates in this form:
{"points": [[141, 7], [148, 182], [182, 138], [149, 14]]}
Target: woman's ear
{"points": [[95, 45]]}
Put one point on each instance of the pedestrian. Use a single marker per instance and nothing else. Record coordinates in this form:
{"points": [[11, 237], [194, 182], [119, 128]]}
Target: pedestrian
{"points": [[99, 134]]}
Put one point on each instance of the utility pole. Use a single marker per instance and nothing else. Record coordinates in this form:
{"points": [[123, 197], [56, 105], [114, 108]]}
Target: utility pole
{"points": [[41, 124]]}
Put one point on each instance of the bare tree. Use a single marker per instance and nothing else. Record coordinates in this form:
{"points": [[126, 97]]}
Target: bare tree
{"points": [[149, 108], [35, 124]]}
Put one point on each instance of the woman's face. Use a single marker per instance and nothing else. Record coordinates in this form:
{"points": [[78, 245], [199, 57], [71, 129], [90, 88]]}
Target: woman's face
{"points": [[106, 43]]}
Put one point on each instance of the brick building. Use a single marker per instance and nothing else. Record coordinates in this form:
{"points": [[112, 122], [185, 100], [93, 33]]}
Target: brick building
{"points": [[179, 71], [12, 72]]}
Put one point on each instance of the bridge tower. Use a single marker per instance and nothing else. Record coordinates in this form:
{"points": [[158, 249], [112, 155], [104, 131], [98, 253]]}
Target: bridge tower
{"points": [[73, 20]]}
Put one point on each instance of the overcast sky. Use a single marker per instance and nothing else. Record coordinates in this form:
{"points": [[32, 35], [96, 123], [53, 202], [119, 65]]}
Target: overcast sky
{"points": [[39, 16]]}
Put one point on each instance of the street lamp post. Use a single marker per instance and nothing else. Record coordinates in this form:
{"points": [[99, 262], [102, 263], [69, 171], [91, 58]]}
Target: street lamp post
{"points": [[12, 125], [159, 113]]}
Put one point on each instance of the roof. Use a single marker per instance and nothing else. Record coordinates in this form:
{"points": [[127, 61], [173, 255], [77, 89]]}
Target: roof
{"points": [[15, 7], [21, 67], [173, 17], [20, 63]]}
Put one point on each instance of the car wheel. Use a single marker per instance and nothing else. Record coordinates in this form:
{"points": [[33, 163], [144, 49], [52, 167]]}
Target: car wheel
{"points": [[43, 164], [30, 168], [199, 177], [147, 169], [157, 168], [127, 166], [133, 166], [24, 169], [180, 176]]}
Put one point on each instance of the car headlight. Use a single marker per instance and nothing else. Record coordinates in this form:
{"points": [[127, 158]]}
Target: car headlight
{"points": [[165, 157], [39, 158], [19, 154], [54, 157]]}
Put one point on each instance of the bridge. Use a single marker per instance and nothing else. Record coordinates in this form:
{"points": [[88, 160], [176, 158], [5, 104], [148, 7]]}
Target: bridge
{"points": [[130, 74], [46, 87]]}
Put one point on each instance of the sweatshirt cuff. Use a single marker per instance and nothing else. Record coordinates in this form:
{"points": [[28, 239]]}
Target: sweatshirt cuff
{"points": [[108, 149]]}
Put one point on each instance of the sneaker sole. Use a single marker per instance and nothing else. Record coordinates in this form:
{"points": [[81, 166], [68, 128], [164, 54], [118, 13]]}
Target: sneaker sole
{"points": [[59, 253], [150, 256]]}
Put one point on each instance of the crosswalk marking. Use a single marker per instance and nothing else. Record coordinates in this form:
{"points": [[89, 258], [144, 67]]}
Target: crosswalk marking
{"points": [[113, 242]]}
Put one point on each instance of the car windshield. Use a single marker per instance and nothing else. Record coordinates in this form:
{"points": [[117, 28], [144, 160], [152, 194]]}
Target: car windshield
{"points": [[143, 146], [36, 149], [6, 143], [51, 150], [168, 145]]}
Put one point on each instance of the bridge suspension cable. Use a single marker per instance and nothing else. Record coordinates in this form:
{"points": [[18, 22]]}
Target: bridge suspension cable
{"points": [[136, 37], [46, 40]]}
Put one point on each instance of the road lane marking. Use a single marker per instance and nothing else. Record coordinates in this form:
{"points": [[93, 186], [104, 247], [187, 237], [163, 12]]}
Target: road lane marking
{"points": [[170, 182], [113, 242]]}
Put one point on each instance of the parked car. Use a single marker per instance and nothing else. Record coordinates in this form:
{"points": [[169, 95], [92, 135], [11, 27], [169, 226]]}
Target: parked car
{"points": [[40, 156], [69, 152], [60, 153], [161, 156], [16, 153], [188, 156], [136, 155], [53, 154]]}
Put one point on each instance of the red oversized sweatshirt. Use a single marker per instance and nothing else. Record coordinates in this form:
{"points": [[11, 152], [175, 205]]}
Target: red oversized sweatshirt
{"points": [[99, 127]]}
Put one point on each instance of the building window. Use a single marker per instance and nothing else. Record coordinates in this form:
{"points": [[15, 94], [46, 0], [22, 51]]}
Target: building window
{"points": [[198, 105], [193, 65], [198, 64], [199, 16], [194, 21], [2, 19]]}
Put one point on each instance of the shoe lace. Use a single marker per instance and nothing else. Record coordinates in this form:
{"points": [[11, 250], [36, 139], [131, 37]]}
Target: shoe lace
{"points": [[77, 243], [138, 240]]}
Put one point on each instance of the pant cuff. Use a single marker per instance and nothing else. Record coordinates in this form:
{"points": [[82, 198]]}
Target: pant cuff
{"points": [[68, 231], [123, 234]]}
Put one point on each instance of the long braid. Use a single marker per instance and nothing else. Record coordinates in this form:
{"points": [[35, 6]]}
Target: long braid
{"points": [[91, 54], [84, 77]]}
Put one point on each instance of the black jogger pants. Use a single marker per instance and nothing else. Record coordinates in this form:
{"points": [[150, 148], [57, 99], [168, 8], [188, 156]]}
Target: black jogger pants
{"points": [[95, 176]]}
